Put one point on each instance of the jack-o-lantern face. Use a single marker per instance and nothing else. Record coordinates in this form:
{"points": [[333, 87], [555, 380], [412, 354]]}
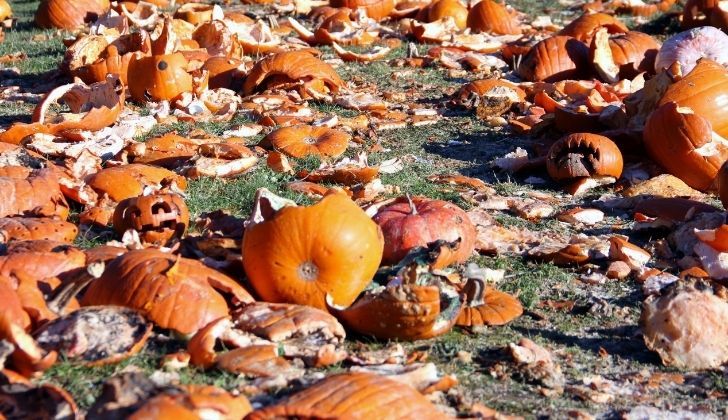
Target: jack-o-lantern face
{"points": [[158, 218]]}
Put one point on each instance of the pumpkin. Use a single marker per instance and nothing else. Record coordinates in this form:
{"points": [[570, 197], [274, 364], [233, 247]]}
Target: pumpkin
{"points": [[217, 39], [96, 335], [296, 257], [43, 264], [484, 86], [191, 402], [554, 59], [37, 195], [491, 16], [159, 77], [691, 46], [92, 64], [685, 325], [357, 395], [168, 150], [173, 292], [684, 143], [159, 218], [225, 72], [485, 305], [194, 13], [26, 228], [623, 56], [704, 90], [257, 361], [292, 67], [581, 155], [301, 141], [376, 9], [6, 12], [585, 26], [126, 181], [69, 14], [416, 222], [440, 9]]}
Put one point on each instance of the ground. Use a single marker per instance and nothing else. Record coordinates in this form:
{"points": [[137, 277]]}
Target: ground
{"points": [[596, 335]]}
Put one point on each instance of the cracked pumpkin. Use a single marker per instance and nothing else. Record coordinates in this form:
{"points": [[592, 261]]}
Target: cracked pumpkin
{"points": [[301, 254]]}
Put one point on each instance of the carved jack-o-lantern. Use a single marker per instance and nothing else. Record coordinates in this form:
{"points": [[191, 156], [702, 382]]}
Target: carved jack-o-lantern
{"points": [[158, 218]]}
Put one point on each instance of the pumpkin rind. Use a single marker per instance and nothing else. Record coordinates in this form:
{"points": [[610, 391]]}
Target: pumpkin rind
{"points": [[291, 66], [304, 253], [376, 9], [491, 16], [69, 14], [554, 59], [303, 140], [159, 77]]}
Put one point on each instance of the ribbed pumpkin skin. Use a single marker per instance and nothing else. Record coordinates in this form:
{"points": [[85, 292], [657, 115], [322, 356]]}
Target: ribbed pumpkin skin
{"points": [[671, 139], [303, 253], [173, 292], [354, 396], [69, 14], [554, 59], [158, 77], [584, 27], [38, 195], [634, 52], [705, 91], [376, 9], [293, 65], [490, 16]]}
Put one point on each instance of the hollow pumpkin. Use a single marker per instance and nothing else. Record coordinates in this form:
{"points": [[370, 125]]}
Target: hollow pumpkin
{"points": [[92, 64], [304, 140], [173, 292], [376, 9], [585, 26], [684, 143], [554, 59], [301, 254], [416, 222], [705, 91], [485, 305], [582, 155], [357, 395], [159, 218], [491, 16], [159, 77], [292, 67], [440, 9], [69, 14], [225, 72], [623, 56]]}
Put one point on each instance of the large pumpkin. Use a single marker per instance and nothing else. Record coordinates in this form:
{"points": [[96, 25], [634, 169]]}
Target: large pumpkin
{"points": [[440, 9], [705, 91], [302, 254], [490, 16], [158, 77], [376, 9], [683, 143], [69, 14], [292, 67], [171, 291], [408, 224], [555, 58]]}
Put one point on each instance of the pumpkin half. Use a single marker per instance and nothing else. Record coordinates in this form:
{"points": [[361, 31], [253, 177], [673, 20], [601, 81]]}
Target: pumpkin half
{"points": [[301, 254]]}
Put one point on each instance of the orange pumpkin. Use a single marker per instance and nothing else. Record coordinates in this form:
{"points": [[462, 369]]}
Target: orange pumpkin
{"points": [[626, 54], [554, 59], [126, 181], [69, 14], [37, 195], [159, 218], [27, 228], [113, 59], [704, 90], [583, 155], [440, 9], [159, 77], [292, 67], [302, 254], [585, 26], [6, 12], [487, 306], [225, 72], [376, 9], [683, 143], [171, 291], [357, 395], [304, 140], [491, 16], [417, 222]]}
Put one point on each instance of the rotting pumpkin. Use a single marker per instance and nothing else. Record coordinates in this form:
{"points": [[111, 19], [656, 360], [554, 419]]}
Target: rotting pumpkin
{"points": [[301, 254]]}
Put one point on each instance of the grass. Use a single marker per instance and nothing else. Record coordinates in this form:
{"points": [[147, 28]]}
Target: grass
{"points": [[461, 144]]}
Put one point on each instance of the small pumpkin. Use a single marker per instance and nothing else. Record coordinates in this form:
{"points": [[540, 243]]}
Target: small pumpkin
{"points": [[159, 77], [704, 90], [554, 59], [173, 292], [376, 9], [585, 26], [159, 218], [301, 254], [583, 155], [485, 305], [69, 14], [440, 9], [417, 222], [292, 67], [683, 142], [491, 16], [301, 141]]}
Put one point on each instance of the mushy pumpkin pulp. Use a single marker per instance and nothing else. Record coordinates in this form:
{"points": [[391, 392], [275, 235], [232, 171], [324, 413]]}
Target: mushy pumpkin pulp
{"points": [[363, 209]]}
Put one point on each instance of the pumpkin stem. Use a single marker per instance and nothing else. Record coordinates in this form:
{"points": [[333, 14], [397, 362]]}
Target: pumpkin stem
{"points": [[413, 209]]}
